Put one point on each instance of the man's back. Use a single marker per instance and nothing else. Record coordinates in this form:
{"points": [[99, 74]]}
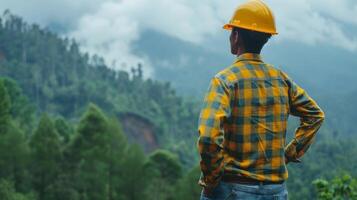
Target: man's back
{"points": [[243, 122], [256, 128]]}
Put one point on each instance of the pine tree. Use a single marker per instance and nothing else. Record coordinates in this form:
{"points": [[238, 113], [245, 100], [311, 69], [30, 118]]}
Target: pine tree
{"points": [[118, 145], [89, 155], [8, 192], [5, 107], [135, 179], [62, 188], [164, 171], [13, 147], [64, 129], [46, 155], [21, 110], [14, 153], [187, 188], [97, 153]]}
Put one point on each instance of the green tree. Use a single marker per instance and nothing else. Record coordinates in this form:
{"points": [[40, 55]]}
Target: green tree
{"points": [[97, 151], [88, 151], [187, 188], [14, 153], [134, 177], [64, 129], [5, 107], [62, 188], [13, 147], [339, 188], [8, 192], [117, 147], [46, 155], [328, 157], [21, 110], [164, 171]]}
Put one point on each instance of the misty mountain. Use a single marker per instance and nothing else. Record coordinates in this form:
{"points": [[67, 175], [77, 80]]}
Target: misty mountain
{"points": [[189, 67], [328, 74]]}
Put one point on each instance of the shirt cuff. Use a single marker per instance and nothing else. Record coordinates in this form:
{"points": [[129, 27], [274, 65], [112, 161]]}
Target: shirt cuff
{"points": [[290, 150], [208, 182]]}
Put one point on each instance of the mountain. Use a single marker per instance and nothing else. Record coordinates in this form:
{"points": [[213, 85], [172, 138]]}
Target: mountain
{"points": [[61, 80], [327, 74], [187, 66]]}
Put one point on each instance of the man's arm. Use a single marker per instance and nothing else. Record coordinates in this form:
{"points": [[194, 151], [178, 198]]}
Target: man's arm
{"points": [[216, 108], [311, 117]]}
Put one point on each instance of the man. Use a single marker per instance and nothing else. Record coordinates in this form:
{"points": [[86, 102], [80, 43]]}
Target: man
{"points": [[243, 122]]}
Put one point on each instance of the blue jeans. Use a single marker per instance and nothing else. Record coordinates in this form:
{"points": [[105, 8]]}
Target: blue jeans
{"points": [[235, 191]]}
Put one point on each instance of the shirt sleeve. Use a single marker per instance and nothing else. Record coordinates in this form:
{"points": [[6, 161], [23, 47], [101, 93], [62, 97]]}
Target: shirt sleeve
{"points": [[311, 118], [215, 110]]}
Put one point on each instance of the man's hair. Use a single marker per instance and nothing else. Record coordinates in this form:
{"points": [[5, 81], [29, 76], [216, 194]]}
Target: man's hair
{"points": [[253, 40]]}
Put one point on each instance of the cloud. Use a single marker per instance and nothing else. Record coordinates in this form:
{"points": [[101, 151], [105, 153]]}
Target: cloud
{"points": [[44, 12], [343, 11], [309, 22], [110, 27], [111, 30], [110, 34]]}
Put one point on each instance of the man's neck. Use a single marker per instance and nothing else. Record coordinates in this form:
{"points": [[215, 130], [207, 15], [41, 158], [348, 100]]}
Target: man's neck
{"points": [[243, 52]]}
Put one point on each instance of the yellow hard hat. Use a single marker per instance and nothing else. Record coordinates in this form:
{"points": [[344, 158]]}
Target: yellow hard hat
{"points": [[253, 15]]}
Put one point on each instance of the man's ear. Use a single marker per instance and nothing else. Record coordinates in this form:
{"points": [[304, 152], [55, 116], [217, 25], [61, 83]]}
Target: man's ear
{"points": [[235, 37]]}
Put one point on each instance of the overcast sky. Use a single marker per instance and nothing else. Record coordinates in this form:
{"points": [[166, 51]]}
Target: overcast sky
{"points": [[109, 27]]}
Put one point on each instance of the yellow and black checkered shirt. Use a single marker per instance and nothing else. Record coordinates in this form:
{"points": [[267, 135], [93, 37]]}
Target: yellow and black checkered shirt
{"points": [[243, 122]]}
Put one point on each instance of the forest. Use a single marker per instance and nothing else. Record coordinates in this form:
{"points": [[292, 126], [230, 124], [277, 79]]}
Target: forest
{"points": [[65, 131]]}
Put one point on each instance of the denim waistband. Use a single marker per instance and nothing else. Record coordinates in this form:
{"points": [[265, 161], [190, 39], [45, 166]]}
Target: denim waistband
{"points": [[266, 189]]}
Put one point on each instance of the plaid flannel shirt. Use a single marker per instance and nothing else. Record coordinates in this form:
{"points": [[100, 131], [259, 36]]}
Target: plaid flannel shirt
{"points": [[243, 122]]}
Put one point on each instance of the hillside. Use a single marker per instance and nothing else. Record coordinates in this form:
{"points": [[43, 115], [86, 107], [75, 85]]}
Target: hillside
{"points": [[61, 80]]}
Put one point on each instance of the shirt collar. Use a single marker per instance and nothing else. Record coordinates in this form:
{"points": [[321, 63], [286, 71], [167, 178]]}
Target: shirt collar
{"points": [[249, 57]]}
